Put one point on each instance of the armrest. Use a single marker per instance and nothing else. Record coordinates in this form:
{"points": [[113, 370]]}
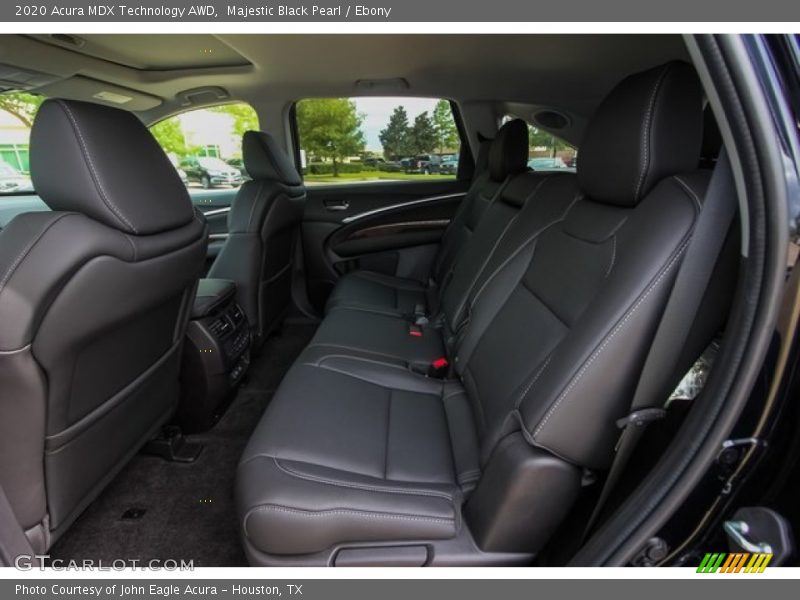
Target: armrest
{"points": [[211, 295]]}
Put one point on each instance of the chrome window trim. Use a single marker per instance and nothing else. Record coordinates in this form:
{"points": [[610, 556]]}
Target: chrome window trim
{"points": [[383, 209], [217, 211]]}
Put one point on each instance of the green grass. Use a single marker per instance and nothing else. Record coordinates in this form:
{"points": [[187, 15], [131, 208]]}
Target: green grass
{"points": [[375, 176]]}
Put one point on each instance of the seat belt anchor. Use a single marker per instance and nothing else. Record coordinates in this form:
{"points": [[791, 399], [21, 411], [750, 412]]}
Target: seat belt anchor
{"points": [[645, 416]]}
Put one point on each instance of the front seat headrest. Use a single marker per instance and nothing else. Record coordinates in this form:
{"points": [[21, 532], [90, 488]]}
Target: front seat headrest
{"points": [[509, 150], [265, 159], [104, 163], [649, 127]]}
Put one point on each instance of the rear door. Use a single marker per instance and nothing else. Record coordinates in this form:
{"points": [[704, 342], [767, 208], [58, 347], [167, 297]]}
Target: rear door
{"points": [[368, 207]]}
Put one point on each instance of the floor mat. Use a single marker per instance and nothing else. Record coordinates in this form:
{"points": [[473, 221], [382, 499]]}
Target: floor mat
{"points": [[160, 510]]}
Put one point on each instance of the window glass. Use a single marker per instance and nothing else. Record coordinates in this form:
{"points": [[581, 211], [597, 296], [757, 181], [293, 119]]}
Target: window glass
{"points": [[547, 152], [345, 140], [17, 111], [205, 144]]}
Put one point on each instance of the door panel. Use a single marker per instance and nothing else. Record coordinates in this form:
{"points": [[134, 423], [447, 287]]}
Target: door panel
{"points": [[389, 227]]}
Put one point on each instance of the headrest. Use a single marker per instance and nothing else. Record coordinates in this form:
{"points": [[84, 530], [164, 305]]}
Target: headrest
{"points": [[265, 159], [649, 127], [102, 162], [509, 151]]}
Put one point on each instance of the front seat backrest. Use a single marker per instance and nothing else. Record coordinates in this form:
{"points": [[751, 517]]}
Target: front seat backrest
{"points": [[263, 226], [94, 300]]}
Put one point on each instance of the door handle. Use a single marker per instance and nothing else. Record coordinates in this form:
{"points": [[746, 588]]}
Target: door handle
{"points": [[337, 205]]}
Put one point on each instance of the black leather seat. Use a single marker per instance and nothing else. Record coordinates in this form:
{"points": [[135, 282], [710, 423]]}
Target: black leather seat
{"points": [[497, 161], [361, 460], [94, 300], [263, 228]]}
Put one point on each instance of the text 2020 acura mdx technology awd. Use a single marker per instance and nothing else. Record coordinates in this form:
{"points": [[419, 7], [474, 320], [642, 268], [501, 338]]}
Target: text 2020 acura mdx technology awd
{"points": [[575, 346]]}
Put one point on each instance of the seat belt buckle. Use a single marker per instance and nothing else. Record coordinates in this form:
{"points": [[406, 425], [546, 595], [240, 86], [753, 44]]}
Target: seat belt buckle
{"points": [[420, 315], [414, 330], [439, 368], [641, 417]]}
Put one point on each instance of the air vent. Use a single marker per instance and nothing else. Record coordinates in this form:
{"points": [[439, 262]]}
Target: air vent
{"points": [[551, 119], [220, 327]]}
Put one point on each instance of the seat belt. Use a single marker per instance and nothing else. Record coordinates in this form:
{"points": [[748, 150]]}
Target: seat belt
{"points": [[697, 267], [13, 541]]}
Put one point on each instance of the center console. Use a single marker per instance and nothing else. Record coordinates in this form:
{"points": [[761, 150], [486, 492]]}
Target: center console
{"points": [[216, 355]]}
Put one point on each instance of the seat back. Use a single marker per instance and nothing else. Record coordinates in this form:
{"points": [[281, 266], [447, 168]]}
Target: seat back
{"points": [[508, 153], [263, 229], [480, 219], [94, 300], [559, 331]]}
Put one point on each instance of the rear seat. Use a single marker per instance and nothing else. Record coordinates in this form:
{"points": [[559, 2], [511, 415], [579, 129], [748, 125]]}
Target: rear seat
{"points": [[497, 161], [522, 208], [361, 460]]}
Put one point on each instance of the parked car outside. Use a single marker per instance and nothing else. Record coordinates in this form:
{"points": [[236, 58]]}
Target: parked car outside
{"points": [[390, 166], [373, 161], [12, 181], [424, 163], [238, 163], [210, 171], [449, 166], [546, 164]]}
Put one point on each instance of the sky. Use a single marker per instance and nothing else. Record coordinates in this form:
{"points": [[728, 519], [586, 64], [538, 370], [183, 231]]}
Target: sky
{"points": [[376, 113]]}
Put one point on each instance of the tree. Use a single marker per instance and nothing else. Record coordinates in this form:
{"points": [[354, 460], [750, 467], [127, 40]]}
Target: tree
{"points": [[422, 137], [538, 138], [169, 135], [330, 128], [394, 138], [244, 117], [445, 126], [22, 106]]}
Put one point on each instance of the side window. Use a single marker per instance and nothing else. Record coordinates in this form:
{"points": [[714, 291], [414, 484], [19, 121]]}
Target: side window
{"points": [[17, 111], [547, 152], [205, 144], [346, 140]]}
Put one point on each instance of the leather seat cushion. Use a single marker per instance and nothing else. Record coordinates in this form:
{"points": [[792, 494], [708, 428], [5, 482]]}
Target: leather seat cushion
{"points": [[379, 337], [349, 451], [375, 292]]}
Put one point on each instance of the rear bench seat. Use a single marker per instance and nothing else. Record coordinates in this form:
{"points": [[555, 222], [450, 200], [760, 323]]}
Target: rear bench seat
{"points": [[361, 459], [498, 160]]}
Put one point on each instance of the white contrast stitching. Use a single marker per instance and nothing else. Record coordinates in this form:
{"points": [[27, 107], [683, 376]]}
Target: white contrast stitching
{"points": [[611, 336], [357, 486], [689, 191], [534, 380], [96, 178], [613, 256], [26, 250], [533, 238], [357, 513], [646, 132]]}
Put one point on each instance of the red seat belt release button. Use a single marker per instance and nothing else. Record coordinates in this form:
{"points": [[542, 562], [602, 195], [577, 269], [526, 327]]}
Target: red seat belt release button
{"points": [[440, 363], [415, 331]]}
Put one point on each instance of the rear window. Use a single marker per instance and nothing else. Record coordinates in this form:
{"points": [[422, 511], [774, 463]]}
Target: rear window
{"points": [[360, 139], [548, 152], [17, 111]]}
